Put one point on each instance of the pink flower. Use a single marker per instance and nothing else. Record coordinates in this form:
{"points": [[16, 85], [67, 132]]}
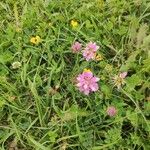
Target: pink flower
{"points": [[123, 75], [76, 47], [111, 111], [87, 82], [90, 51]]}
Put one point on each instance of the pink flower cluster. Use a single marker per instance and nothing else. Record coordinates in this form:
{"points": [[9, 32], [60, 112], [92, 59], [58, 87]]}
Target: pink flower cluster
{"points": [[111, 111], [89, 51], [87, 82], [76, 47]]}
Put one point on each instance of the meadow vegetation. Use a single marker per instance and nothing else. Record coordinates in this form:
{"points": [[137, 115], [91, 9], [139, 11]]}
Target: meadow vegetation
{"points": [[47, 98]]}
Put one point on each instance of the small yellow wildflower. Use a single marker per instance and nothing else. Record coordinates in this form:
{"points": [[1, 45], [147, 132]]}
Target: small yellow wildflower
{"points": [[98, 57], [87, 70], [35, 40], [74, 23]]}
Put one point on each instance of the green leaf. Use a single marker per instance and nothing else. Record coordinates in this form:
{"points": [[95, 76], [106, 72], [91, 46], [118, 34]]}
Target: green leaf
{"points": [[109, 25], [147, 108], [1, 102], [146, 65], [6, 57], [139, 95], [52, 136], [32, 87], [136, 140], [106, 90], [146, 42], [88, 24], [141, 34], [37, 144], [88, 139], [112, 135], [72, 113], [132, 82], [132, 116], [130, 61], [122, 30], [3, 70]]}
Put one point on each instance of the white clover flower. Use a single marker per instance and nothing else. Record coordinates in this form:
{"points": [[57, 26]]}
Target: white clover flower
{"points": [[16, 65]]}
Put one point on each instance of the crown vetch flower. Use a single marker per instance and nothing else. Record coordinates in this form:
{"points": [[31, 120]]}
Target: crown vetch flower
{"points": [[76, 47], [90, 51], [87, 82], [111, 111]]}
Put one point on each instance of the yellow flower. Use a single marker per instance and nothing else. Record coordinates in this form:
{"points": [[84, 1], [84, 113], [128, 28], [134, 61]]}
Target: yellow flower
{"points": [[87, 70], [98, 57], [74, 23], [35, 40]]}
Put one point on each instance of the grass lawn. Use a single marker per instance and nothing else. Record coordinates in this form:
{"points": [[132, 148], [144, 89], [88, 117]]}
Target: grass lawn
{"points": [[74, 75]]}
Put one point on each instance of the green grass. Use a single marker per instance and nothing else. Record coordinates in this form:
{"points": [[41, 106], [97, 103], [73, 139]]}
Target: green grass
{"points": [[40, 105]]}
